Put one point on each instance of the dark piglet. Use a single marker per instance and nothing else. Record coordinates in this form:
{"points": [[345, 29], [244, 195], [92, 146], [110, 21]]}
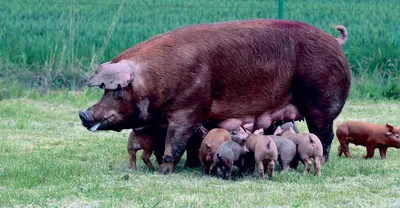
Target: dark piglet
{"points": [[288, 125], [371, 136], [286, 151], [283, 125], [230, 153]]}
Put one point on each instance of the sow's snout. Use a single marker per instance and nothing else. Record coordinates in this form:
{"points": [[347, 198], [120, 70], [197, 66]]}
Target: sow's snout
{"points": [[87, 120]]}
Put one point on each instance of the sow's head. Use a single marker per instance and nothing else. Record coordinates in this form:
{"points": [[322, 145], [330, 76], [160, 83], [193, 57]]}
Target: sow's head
{"points": [[116, 110]]}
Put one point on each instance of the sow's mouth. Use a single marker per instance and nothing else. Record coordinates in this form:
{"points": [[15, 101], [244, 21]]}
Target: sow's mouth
{"points": [[95, 127], [103, 125], [91, 126]]}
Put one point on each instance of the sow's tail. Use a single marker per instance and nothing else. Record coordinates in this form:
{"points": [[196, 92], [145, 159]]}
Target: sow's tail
{"points": [[343, 34]]}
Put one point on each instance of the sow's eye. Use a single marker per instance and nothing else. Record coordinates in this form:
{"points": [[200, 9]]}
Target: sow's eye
{"points": [[117, 94]]}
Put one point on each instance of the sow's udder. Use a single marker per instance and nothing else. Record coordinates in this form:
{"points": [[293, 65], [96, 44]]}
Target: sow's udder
{"points": [[264, 120]]}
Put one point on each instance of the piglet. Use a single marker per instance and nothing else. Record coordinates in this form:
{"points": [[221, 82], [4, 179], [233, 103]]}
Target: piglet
{"points": [[210, 144], [286, 151], [228, 154], [264, 150], [308, 146], [148, 139], [288, 125], [286, 148], [371, 136]]}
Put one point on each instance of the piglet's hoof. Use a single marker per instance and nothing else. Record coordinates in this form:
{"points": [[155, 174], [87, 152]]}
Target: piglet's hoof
{"points": [[166, 168]]}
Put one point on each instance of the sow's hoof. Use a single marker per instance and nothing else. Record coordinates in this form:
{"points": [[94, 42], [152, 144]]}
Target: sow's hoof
{"points": [[166, 168]]}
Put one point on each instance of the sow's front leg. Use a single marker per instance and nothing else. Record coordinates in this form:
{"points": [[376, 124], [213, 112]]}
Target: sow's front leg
{"points": [[175, 144]]}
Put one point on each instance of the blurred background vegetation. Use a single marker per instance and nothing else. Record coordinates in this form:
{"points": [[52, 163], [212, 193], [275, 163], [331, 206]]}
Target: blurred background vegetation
{"points": [[56, 44]]}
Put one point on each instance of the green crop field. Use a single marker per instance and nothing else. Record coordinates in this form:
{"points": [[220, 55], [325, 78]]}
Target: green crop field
{"points": [[47, 159], [56, 44]]}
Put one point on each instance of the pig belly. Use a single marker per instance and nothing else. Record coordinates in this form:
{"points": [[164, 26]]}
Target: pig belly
{"points": [[285, 114], [231, 124]]}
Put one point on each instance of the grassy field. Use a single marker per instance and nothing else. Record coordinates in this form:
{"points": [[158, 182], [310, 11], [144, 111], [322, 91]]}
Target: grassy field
{"points": [[48, 159], [54, 43]]}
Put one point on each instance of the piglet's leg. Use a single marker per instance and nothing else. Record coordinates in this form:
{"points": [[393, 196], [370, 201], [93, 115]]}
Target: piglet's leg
{"points": [[146, 158], [382, 151], [220, 172], [252, 167], [212, 170], [260, 169], [370, 152], [285, 166], [270, 169], [344, 146], [317, 165], [228, 173], [339, 151], [132, 158], [307, 163]]}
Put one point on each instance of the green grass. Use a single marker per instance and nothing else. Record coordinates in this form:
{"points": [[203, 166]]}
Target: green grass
{"points": [[48, 159], [56, 44]]}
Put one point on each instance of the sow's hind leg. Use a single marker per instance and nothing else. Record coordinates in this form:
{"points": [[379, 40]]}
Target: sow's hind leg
{"points": [[320, 113], [320, 89]]}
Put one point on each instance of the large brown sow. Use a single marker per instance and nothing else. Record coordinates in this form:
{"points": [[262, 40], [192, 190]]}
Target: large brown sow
{"points": [[203, 73]]}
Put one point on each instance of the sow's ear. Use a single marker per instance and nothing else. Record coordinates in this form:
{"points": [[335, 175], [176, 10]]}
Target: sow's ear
{"points": [[111, 75]]}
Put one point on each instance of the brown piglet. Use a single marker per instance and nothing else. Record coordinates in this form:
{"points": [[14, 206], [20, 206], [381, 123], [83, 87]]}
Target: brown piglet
{"points": [[308, 146], [371, 136], [144, 139], [210, 144], [264, 149]]}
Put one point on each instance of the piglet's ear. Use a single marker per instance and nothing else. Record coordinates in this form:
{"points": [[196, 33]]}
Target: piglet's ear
{"points": [[259, 132], [203, 131], [389, 127], [208, 145], [244, 130], [278, 131], [112, 75], [292, 130]]}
